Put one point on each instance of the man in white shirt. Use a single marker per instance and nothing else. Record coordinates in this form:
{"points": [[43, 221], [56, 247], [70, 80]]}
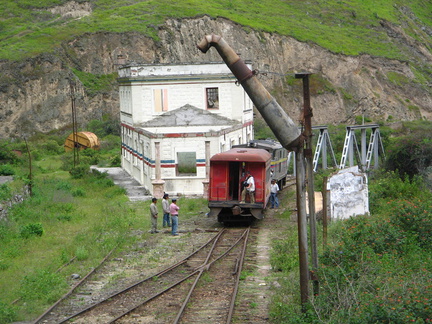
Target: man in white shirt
{"points": [[274, 189], [249, 189]]}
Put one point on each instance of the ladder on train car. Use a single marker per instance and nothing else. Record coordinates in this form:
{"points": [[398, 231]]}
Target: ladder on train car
{"points": [[321, 148]]}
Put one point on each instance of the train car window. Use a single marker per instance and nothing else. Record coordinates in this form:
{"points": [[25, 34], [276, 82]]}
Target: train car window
{"points": [[186, 164]]}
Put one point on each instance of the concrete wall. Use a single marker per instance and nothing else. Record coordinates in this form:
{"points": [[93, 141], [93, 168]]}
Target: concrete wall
{"points": [[183, 84], [139, 158], [349, 195]]}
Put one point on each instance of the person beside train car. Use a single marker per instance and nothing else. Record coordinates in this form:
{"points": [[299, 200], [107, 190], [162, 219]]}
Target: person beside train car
{"points": [[274, 189], [153, 216], [166, 211], [174, 217], [249, 188]]}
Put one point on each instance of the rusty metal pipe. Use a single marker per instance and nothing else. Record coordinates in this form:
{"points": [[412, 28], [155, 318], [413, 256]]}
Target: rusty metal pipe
{"points": [[279, 122]]}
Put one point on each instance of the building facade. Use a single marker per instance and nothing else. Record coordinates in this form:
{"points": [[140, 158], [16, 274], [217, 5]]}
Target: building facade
{"points": [[174, 117]]}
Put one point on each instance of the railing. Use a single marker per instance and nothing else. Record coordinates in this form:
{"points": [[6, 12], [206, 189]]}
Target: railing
{"points": [[219, 193]]}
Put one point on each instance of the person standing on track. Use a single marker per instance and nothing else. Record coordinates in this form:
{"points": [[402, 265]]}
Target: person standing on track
{"points": [[153, 216], [174, 216], [166, 211]]}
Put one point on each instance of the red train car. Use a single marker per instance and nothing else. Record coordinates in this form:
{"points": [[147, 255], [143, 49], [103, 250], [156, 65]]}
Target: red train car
{"points": [[227, 172]]}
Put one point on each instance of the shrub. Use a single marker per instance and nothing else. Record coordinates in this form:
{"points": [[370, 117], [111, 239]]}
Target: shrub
{"points": [[413, 218], [64, 185], [78, 192], [376, 270], [6, 153], [111, 142], [115, 161], [36, 155], [51, 147], [389, 186], [29, 230], [78, 172], [411, 153], [6, 170], [107, 126], [100, 178], [90, 157]]}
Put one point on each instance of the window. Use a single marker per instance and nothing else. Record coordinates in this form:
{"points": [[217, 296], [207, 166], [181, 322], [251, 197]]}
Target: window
{"points": [[186, 164], [212, 98], [160, 97]]}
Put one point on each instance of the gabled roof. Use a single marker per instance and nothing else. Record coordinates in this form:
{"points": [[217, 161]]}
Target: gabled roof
{"points": [[189, 115]]}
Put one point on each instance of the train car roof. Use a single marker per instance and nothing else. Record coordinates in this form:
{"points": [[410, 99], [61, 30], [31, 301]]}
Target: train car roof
{"points": [[242, 155], [265, 144]]}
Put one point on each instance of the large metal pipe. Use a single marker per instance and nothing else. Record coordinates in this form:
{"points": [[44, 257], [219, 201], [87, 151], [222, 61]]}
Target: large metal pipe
{"points": [[280, 123]]}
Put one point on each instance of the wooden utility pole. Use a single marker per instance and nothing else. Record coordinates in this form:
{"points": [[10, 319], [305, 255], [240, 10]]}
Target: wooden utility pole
{"points": [[324, 214], [302, 226], [74, 123], [309, 183], [30, 169]]}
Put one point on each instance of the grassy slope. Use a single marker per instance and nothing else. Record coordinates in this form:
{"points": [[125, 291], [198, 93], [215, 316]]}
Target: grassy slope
{"points": [[350, 26], [73, 226]]}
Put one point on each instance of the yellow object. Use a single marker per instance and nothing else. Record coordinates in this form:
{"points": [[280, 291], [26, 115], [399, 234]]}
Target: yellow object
{"points": [[82, 140]]}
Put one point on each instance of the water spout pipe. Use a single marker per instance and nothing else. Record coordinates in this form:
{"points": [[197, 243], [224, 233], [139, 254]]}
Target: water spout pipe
{"points": [[279, 122]]}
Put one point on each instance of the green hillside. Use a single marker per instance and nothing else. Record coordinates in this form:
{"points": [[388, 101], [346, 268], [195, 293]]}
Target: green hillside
{"points": [[351, 27]]}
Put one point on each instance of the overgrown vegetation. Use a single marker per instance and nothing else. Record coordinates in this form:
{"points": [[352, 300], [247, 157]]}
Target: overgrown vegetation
{"points": [[96, 84], [60, 220], [411, 150], [375, 268], [348, 27], [75, 216]]}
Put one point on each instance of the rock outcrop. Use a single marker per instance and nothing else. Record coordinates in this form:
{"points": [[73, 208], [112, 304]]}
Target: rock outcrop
{"points": [[35, 94]]}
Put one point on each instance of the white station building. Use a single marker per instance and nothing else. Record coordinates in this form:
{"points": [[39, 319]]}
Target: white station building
{"points": [[174, 117]]}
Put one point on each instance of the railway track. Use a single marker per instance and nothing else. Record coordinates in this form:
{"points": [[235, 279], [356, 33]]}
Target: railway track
{"points": [[200, 288]]}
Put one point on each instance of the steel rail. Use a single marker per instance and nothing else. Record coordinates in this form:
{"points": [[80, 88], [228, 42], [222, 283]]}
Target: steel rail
{"points": [[238, 270], [206, 267], [153, 297], [42, 316], [162, 272], [197, 271]]}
